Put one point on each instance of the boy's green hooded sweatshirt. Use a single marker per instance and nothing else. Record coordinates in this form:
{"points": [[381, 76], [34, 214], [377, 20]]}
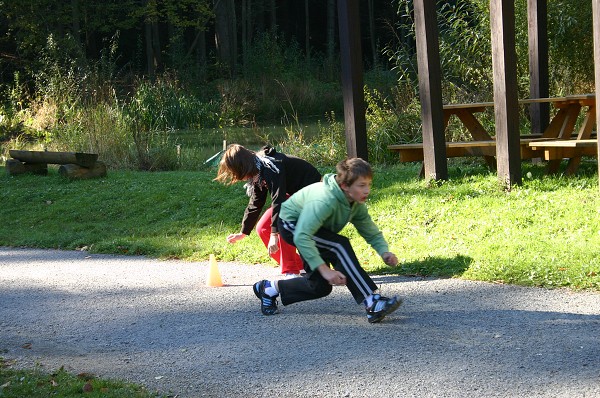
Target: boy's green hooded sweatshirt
{"points": [[324, 205]]}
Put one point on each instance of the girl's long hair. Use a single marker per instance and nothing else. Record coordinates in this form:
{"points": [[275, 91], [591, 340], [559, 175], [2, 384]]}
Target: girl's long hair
{"points": [[237, 164]]}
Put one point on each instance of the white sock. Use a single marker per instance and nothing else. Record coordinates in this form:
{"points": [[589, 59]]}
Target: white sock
{"points": [[271, 288], [369, 301]]}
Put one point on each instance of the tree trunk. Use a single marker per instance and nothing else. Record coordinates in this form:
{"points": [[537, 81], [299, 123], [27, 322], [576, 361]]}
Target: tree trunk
{"points": [[307, 31], [202, 49], [223, 41], [149, 50], [372, 34], [273, 14], [233, 36], [156, 45], [75, 18], [330, 36], [245, 24]]}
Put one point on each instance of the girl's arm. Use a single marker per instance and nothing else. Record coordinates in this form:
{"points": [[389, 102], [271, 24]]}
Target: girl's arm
{"points": [[258, 197]]}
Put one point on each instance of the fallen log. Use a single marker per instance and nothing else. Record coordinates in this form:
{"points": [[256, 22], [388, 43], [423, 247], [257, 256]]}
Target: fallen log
{"points": [[15, 167], [80, 158], [77, 172]]}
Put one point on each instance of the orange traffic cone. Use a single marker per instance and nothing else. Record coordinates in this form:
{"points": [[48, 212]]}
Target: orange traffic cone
{"points": [[214, 277]]}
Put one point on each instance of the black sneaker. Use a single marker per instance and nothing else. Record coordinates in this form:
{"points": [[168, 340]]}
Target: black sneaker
{"points": [[268, 304], [381, 307]]}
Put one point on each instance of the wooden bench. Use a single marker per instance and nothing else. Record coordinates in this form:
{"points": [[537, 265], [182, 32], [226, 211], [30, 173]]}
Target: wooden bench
{"points": [[487, 149], [573, 149], [414, 152], [74, 165], [560, 149]]}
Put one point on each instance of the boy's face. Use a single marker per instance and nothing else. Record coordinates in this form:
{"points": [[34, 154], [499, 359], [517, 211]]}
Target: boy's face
{"points": [[359, 190]]}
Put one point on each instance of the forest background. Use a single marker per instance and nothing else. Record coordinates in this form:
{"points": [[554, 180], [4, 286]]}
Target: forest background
{"points": [[159, 84]]}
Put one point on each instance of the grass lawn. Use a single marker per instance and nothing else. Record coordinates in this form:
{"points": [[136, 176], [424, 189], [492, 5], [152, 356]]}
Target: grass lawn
{"points": [[543, 233]]}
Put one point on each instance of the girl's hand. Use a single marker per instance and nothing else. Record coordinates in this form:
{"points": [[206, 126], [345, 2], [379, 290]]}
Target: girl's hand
{"points": [[273, 245], [235, 237], [390, 259]]}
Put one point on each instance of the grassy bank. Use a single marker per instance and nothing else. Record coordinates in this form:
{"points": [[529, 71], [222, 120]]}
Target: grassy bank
{"points": [[544, 233]]}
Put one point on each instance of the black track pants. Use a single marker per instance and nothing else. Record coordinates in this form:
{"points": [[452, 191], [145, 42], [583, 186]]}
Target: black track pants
{"points": [[336, 251]]}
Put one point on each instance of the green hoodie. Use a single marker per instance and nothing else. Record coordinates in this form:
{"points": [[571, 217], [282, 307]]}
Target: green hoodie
{"points": [[324, 205]]}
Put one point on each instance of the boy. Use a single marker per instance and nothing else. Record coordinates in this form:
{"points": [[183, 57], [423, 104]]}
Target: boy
{"points": [[310, 220]]}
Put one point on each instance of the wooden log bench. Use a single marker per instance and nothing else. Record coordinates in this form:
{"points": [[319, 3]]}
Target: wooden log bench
{"points": [[74, 165]]}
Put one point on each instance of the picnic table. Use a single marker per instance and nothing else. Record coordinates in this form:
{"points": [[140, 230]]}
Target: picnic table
{"points": [[551, 145]]}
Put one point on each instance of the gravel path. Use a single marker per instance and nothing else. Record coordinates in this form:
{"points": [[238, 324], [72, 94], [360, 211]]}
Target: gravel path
{"points": [[156, 323]]}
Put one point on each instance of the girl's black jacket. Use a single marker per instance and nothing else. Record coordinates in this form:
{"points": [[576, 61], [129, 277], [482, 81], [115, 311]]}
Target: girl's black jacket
{"points": [[294, 174]]}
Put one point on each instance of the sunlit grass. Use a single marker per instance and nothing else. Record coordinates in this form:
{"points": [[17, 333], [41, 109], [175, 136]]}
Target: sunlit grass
{"points": [[543, 233]]}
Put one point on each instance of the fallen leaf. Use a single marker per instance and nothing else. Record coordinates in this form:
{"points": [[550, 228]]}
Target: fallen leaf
{"points": [[87, 387]]}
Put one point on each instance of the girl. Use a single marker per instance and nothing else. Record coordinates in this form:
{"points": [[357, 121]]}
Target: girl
{"points": [[267, 172]]}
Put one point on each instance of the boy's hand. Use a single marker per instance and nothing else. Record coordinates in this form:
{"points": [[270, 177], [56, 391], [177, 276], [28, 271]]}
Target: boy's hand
{"points": [[390, 259], [335, 278]]}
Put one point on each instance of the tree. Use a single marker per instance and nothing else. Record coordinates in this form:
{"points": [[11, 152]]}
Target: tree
{"points": [[225, 33], [331, 12]]}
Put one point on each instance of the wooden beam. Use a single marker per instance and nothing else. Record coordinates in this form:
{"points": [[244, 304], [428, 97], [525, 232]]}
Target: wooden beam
{"points": [[504, 63], [352, 79], [430, 90], [537, 16], [596, 33]]}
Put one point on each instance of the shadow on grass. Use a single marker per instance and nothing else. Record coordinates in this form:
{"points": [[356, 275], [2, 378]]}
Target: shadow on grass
{"points": [[442, 267]]}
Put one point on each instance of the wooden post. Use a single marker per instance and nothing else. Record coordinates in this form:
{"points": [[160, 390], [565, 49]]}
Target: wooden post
{"points": [[537, 16], [506, 101], [430, 90], [352, 79], [596, 33]]}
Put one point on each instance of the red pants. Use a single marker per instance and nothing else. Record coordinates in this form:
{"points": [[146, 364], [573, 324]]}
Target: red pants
{"points": [[286, 256]]}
